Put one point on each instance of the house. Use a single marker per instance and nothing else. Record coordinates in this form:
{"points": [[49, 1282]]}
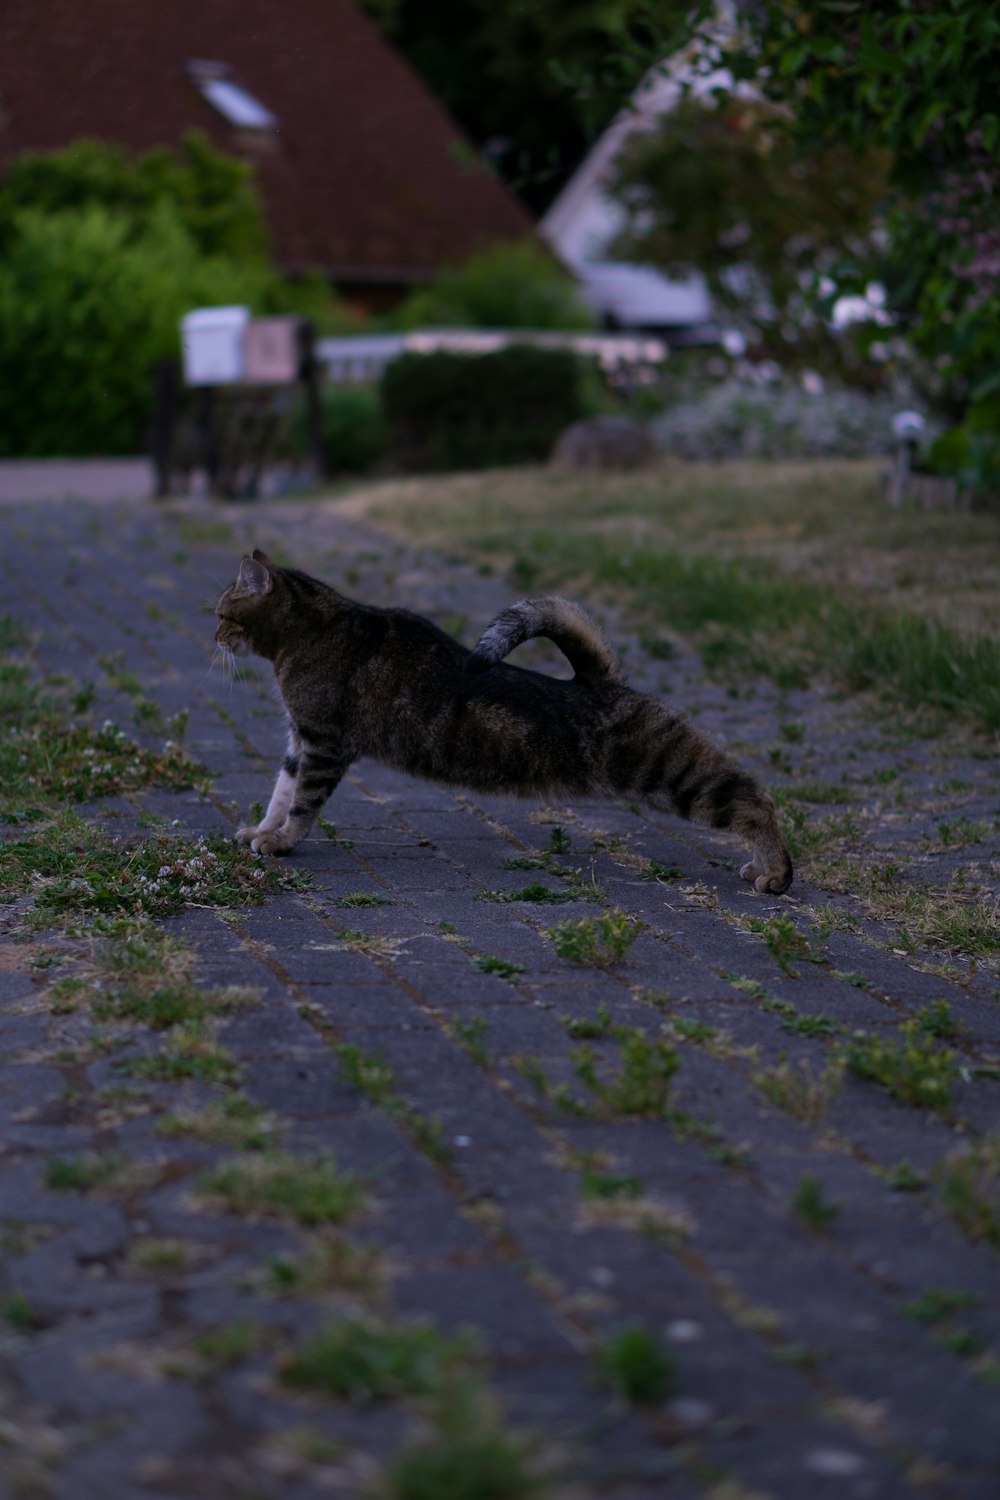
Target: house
{"points": [[584, 221], [362, 173]]}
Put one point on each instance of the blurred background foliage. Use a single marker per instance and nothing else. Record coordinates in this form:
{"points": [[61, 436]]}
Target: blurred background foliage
{"points": [[917, 80], [533, 85], [722, 188], [100, 256], [519, 285]]}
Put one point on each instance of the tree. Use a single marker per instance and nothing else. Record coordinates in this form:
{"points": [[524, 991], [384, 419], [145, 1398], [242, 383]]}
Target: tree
{"points": [[921, 79], [532, 84], [720, 187]]}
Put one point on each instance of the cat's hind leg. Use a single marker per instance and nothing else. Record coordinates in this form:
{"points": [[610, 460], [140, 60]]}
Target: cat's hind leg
{"points": [[677, 769], [725, 797]]}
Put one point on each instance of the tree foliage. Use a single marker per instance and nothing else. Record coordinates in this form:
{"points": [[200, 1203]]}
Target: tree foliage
{"points": [[100, 256], [533, 84], [505, 286], [213, 195], [920, 78], [720, 187]]}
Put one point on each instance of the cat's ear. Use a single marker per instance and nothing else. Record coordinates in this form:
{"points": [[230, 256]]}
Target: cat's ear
{"points": [[254, 579], [261, 557]]}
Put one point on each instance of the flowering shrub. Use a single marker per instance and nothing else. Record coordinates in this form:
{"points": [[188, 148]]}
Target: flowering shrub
{"points": [[737, 420]]}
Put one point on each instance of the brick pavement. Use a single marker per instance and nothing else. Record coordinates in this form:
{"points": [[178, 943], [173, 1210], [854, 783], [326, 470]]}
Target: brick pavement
{"points": [[798, 1371]]}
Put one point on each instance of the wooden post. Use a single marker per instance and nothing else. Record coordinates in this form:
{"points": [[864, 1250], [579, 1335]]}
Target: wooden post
{"points": [[208, 441], [166, 373], [309, 375]]}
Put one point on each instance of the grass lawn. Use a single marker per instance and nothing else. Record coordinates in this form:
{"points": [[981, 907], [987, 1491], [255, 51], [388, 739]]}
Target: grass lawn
{"points": [[789, 570]]}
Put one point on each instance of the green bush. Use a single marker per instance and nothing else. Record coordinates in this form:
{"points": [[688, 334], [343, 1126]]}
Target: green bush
{"points": [[213, 195], [454, 411], [516, 285], [353, 427], [84, 312], [100, 256]]}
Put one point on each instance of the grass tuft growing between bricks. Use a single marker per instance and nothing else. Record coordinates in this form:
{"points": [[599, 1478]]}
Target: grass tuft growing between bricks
{"points": [[811, 1204], [234, 1121], [159, 1255], [228, 1343], [361, 1360], [636, 1365], [604, 1185], [329, 1263], [598, 941], [938, 1304], [909, 1065], [111, 1172], [472, 1035], [969, 1184], [370, 1073], [801, 1091], [639, 1086], [308, 1190], [502, 968], [192, 1052], [75, 871], [466, 1453]]}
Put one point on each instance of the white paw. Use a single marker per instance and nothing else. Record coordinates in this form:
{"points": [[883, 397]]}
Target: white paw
{"points": [[270, 843], [246, 835]]}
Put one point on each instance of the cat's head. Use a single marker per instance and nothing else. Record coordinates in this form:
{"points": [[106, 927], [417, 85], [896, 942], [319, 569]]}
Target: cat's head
{"points": [[244, 608]]}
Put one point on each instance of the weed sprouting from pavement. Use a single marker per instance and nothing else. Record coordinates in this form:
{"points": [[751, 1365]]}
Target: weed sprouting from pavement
{"points": [[502, 968], [811, 1204], [233, 1121], [938, 1304], [471, 1035], [309, 1190], [359, 1359], [589, 1027], [801, 1091], [597, 1184], [599, 941], [909, 1065], [370, 1073], [466, 1453], [636, 1365], [638, 1087], [969, 1184]]}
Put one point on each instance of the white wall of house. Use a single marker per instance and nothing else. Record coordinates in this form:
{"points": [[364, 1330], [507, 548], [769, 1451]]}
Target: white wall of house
{"points": [[585, 220]]}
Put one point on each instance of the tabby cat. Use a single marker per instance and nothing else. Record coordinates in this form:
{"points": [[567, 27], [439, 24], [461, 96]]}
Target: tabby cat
{"points": [[358, 680]]}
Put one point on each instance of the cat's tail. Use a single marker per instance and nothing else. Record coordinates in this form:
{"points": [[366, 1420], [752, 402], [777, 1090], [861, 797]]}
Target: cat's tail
{"points": [[561, 621]]}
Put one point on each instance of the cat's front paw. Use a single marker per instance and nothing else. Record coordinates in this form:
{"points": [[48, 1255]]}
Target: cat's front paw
{"points": [[271, 843], [246, 835]]}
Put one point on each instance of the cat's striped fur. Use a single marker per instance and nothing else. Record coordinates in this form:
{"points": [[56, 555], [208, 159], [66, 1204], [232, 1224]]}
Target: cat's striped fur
{"points": [[358, 680]]}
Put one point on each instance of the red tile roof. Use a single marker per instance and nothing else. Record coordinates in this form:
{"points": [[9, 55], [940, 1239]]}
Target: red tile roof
{"points": [[367, 176]]}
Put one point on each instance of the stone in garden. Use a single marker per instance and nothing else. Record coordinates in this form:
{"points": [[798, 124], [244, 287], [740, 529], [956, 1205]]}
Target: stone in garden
{"points": [[606, 442]]}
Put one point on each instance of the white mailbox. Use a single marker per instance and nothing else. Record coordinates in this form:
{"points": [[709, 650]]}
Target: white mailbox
{"points": [[212, 341]]}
